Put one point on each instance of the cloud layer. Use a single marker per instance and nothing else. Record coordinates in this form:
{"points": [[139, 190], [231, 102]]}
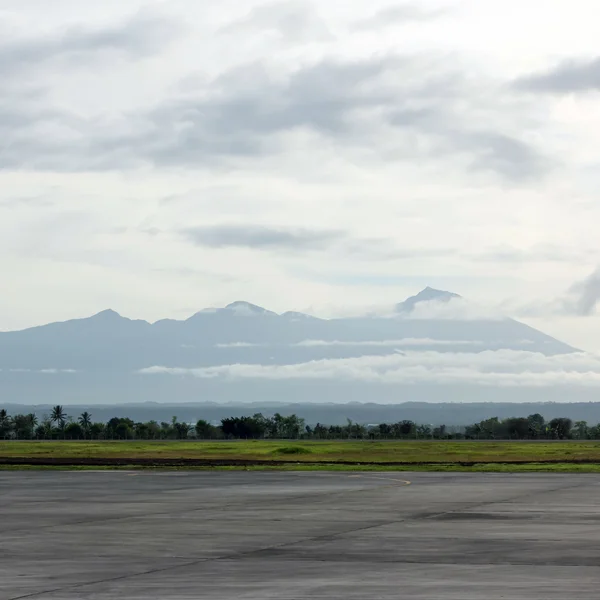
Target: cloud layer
{"points": [[261, 237], [503, 368], [572, 76], [250, 110], [585, 295], [292, 20], [401, 14]]}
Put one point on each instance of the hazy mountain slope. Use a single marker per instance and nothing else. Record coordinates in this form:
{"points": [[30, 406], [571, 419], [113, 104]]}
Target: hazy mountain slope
{"points": [[217, 351]]}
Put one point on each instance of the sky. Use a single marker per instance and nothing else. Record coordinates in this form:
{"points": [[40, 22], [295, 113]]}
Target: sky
{"points": [[161, 157]]}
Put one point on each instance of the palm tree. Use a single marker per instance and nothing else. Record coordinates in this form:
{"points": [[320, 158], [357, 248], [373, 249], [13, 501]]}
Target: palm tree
{"points": [[85, 420], [58, 416], [33, 421], [4, 423]]}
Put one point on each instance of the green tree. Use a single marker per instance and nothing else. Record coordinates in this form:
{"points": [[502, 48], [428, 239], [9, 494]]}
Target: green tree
{"points": [[33, 420], [204, 429], [85, 420], [45, 429], [58, 416], [336, 432], [40, 432], [97, 430], [537, 426], [385, 430], [320, 431], [74, 431], [517, 428], [491, 429], [243, 427], [153, 430], [355, 430], [273, 427], [141, 431], [5, 424], [424, 431], [183, 430], [120, 428], [406, 428], [440, 432], [293, 426], [581, 430], [560, 428], [124, 431], [21, 426], [179, 430], [167, 431]]}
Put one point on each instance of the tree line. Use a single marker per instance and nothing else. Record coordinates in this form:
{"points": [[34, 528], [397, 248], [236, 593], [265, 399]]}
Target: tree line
{"points": [[59, 425]]}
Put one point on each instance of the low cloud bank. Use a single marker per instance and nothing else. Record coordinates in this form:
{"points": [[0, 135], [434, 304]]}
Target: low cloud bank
{"points": [[364, 343], [500, 368]]}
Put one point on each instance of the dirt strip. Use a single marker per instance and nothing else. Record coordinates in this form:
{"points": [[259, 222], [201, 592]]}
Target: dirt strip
{"points": [[227, 462]]}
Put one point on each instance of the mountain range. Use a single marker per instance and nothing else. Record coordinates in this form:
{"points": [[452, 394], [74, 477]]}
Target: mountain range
{"points": [[433, 346]]}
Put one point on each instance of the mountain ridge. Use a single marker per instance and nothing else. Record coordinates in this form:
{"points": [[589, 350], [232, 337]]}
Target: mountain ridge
{"points": [[428, 294], [244, 308], [245, 351]]}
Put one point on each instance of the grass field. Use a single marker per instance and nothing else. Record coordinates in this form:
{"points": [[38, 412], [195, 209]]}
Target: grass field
{"points": [[497, 456]]}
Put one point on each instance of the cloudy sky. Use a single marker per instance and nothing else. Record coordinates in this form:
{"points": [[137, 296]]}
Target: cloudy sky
{"points": [[160, 157]]}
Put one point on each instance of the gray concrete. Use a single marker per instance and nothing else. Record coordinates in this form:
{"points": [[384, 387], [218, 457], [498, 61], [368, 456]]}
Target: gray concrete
{"points": [[253, 535]]}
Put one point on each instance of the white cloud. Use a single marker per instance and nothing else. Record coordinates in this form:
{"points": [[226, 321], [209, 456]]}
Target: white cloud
{"points": [[50, 371], [401, 343], [361, 344], [503, 368], [389, 343], [579, 300], [43, 371], [291, 20], [239, 345], [584, 296]]}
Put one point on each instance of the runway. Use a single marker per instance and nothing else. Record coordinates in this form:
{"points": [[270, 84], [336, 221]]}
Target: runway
{"points": [[285, 535]]}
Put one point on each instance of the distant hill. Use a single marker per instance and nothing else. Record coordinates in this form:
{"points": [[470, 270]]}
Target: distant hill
{"points": [[433, 346]]}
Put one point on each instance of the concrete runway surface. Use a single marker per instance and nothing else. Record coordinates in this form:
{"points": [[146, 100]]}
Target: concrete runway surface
{"points": [[284, 535]]}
